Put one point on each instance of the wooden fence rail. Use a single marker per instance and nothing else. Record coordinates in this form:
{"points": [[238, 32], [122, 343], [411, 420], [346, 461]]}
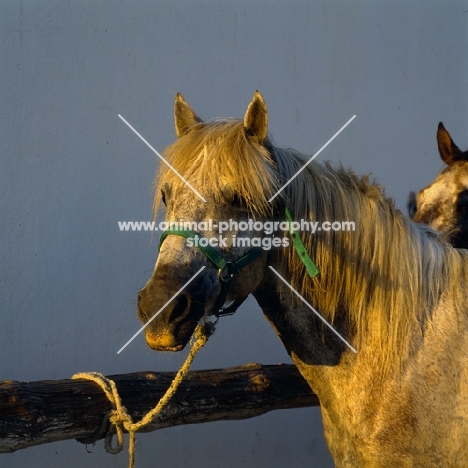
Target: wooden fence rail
{"points": [[33, 413]]}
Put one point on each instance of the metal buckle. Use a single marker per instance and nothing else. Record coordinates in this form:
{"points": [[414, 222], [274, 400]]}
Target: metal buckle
{"points": [[230, 271]]}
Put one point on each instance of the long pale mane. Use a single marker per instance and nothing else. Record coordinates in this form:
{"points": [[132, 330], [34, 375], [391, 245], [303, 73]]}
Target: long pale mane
{"points": [[221, 160], [385, 277]]}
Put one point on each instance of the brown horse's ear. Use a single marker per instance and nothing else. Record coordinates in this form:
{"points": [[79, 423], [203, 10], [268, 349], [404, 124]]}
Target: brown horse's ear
{"points": [[256, 118], [448, 150], [184, 116]]}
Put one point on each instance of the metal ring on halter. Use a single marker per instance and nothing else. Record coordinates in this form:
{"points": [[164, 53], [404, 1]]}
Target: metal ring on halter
{"points": [[229, 267]]}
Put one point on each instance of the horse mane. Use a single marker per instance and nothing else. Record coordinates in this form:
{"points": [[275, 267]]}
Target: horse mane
{"points": [[222, 161], [387, 276]]}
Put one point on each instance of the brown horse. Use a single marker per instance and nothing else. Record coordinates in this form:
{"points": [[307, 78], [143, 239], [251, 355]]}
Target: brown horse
{"points": [[443, 205], [390, 288]]}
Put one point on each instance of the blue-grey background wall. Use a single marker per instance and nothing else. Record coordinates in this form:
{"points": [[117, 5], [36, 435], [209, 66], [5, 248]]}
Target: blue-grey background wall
{"points": [[70, 170]]}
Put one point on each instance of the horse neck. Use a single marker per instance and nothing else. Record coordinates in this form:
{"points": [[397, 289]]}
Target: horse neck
{"points": [[324, 361], [301, 332]]}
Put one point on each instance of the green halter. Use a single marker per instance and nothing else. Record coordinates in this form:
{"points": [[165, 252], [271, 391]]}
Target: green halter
{"points": [[227, 269], [299, 246]]}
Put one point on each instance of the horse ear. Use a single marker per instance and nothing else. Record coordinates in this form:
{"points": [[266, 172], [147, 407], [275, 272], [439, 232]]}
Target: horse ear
{"points": [[448, 150], [184, 116], [256, 118]]}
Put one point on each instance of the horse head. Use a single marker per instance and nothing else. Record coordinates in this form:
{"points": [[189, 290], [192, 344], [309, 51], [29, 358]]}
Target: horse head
{"points": [[202, 266], [443, 205]]}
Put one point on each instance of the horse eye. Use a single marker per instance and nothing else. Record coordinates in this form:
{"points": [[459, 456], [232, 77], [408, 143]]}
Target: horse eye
{"points": [[236, 201], [462, 203], [163, 197]]}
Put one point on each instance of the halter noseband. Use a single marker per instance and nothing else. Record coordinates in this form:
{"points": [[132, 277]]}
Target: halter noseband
{"points": [[226, 269]]}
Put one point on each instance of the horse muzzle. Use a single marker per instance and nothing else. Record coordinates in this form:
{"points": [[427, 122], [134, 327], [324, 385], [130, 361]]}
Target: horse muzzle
{"points": [[168, 327], [164, 341]]}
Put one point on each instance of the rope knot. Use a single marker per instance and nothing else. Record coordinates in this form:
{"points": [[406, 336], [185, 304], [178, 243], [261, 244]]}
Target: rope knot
{"points": [[119, 418]]}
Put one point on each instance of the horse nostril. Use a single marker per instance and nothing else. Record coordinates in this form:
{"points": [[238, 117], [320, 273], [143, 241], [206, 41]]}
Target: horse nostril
{"points": [[142, 316]]}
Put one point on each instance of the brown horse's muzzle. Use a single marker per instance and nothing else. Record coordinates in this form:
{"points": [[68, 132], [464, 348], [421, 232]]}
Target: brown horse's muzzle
{"points": [[174, 324]]}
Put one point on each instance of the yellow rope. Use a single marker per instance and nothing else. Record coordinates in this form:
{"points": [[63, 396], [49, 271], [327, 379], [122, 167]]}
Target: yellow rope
{"points": [[119, 418]]}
